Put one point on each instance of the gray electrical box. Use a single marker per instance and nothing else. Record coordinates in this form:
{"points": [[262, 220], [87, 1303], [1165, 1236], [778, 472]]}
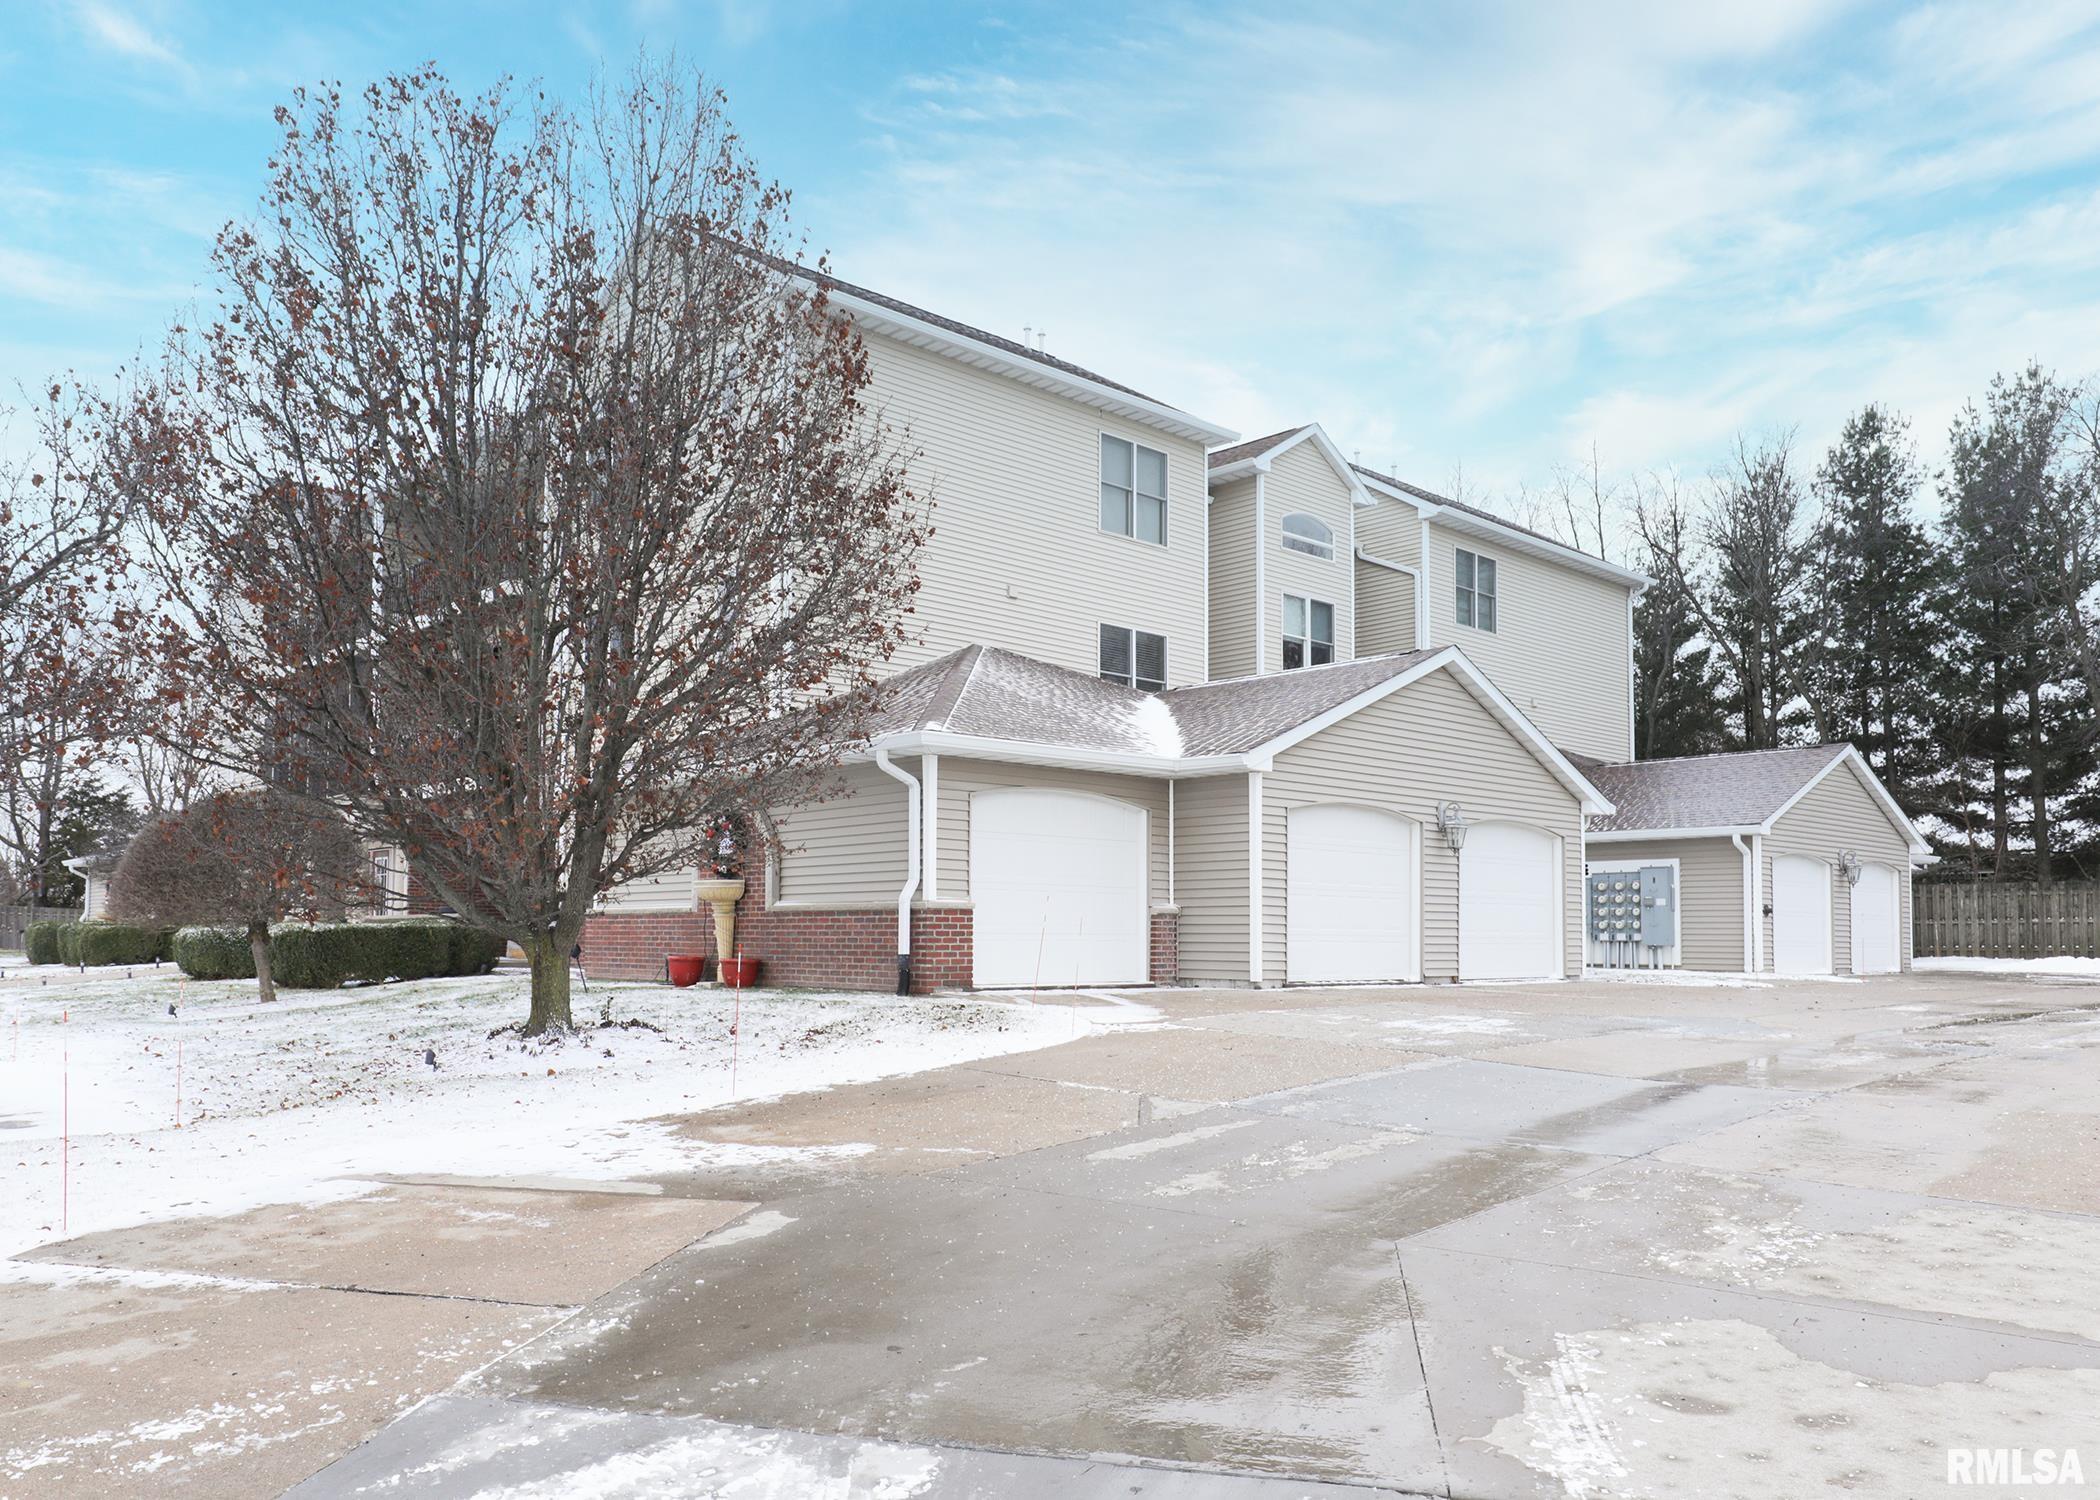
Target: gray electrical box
{"points": [[1633, 908]]}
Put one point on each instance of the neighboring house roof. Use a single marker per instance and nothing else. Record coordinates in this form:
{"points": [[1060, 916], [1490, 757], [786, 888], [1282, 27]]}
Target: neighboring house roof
{"points": [[1225, 458], [993, 702], [1744, 791]]}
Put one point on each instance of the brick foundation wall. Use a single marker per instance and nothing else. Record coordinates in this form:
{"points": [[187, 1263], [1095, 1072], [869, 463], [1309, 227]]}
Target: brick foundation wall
{"points": [[1164, 957], [845, 949]]}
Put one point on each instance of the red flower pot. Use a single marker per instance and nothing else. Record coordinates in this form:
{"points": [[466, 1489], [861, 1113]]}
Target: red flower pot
{"points": [[686, 968], [740, 973]]}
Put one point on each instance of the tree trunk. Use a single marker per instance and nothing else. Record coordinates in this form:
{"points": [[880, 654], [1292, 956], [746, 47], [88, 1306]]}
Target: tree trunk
{"points": [[2001, 797], [259, 945], [550, 984], [2038, 785]]}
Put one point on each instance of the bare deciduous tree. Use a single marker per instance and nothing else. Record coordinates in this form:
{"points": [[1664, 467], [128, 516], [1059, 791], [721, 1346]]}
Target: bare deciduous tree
{"points": [[246, 858], [528, 484]]}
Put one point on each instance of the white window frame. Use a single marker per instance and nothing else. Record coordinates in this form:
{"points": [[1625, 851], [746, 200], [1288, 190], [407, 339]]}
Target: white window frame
{"points": [[1307, 640], [1166, 647], [1463, 594], [1134, 494], [1316, 543]]}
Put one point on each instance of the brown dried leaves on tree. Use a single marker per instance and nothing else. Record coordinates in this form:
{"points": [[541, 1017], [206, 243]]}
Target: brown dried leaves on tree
{"points": [[528, 487]]}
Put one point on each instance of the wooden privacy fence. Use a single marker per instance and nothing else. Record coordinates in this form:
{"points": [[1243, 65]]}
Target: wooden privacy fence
{"points": [[15, 920], [1992, 920]]}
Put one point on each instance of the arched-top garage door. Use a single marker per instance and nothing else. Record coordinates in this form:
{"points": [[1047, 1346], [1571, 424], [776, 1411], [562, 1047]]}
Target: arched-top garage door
{"points": [[1352, 894], [1057, 889], [1509, 904], [1800, 915], [1877, 921]]}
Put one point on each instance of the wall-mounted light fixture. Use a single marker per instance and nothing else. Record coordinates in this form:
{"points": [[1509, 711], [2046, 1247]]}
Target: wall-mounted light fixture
{"points": [[1848, 866], [1452, 819]]}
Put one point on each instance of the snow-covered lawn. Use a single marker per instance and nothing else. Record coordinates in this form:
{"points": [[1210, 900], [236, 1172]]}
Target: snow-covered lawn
{"points": [[2084, 968], [296, 1101]]}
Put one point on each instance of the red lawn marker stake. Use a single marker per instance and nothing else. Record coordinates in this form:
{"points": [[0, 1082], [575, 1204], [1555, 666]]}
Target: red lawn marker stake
{"points": [[65, 1118]]}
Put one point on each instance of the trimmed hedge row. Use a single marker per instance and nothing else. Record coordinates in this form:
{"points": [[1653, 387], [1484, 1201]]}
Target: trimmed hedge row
{"points": [[41, 940], [325, 956], [95, 944]]}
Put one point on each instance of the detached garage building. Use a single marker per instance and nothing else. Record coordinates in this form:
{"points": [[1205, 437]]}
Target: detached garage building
{"points": [[1785, 861]]}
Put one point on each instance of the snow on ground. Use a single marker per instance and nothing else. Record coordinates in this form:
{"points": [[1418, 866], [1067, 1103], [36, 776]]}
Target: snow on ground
{"points": [[2084, 968], [1690, 979], [296, 1101]]}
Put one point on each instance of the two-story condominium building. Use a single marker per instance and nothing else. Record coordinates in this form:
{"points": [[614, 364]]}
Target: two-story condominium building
{"points": [[1185, 709]]}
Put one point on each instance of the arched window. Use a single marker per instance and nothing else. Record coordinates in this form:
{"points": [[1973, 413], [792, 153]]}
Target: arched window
{"points": [[1307, 534]]}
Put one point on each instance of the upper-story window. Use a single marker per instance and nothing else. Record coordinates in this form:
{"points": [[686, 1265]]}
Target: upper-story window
{"points": [[1133, 490], [1476, 590], [1135, 658], [1308, 632], [1308, 534]]}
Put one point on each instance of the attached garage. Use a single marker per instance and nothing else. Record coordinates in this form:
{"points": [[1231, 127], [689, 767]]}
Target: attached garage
{"points": [[1058, 887], [1800, 915], [1509, 903], [1877, 921], [1354, 896]]}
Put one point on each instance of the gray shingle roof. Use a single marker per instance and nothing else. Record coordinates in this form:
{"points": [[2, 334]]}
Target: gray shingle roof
{"points": [[1253, 447], [1472, 510], [995, 694], [1738, 790], [952, 325]]}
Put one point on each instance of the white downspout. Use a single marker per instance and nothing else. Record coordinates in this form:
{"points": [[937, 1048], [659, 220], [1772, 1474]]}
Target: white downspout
{"points": [[1749, 903], [911, 867]]}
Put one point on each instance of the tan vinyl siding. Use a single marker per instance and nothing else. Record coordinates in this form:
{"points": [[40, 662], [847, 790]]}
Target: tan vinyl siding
{"points": [[1232, 580], [1018, 558], [1709, 896], [850, 850], [1429, 742], [1559, 647], [959, 779], [1839, 814], [1302, 480], [1391, 530], [1210, 878], [1385, 610], [671, 891]]}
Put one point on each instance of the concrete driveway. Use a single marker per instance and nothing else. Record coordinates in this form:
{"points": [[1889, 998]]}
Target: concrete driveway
{"points": [[1597, 1239]]}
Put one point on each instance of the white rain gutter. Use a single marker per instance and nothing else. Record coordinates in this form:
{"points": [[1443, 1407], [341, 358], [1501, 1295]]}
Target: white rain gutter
{"points": [[1749, 902], [911, 868]]}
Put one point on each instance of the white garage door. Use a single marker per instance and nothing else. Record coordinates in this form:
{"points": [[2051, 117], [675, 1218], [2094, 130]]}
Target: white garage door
{"points": [[1509, 899], [1877, 922], [1057, 883], [1800, 915], [1352, 896]]}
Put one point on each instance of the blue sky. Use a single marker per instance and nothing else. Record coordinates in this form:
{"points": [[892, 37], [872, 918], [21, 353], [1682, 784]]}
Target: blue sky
{"points": [[1470, 241]]}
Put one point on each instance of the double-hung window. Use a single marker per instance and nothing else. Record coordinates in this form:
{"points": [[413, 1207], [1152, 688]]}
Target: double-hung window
{"points": [[1476, 590], [1308, 632], [1135, 658], [1133, 490]]}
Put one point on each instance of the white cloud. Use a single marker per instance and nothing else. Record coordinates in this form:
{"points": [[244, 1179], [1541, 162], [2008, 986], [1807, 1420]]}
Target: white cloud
{"points": [[1493, 236], [123, 34]]}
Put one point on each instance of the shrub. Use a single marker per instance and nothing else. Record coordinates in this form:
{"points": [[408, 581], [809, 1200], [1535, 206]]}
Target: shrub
{"points": [[43, 942], [328, 954], [99, 944], [213, 953]]}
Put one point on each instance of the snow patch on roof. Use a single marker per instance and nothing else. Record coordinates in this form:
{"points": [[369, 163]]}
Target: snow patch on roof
{"points": [[1155, 727]]}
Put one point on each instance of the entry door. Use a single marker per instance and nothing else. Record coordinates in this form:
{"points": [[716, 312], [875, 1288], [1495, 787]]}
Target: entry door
{"points": [[1800, 915], [1509, 903], [1352, 895], [1877, 921], [1057, 889]]}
